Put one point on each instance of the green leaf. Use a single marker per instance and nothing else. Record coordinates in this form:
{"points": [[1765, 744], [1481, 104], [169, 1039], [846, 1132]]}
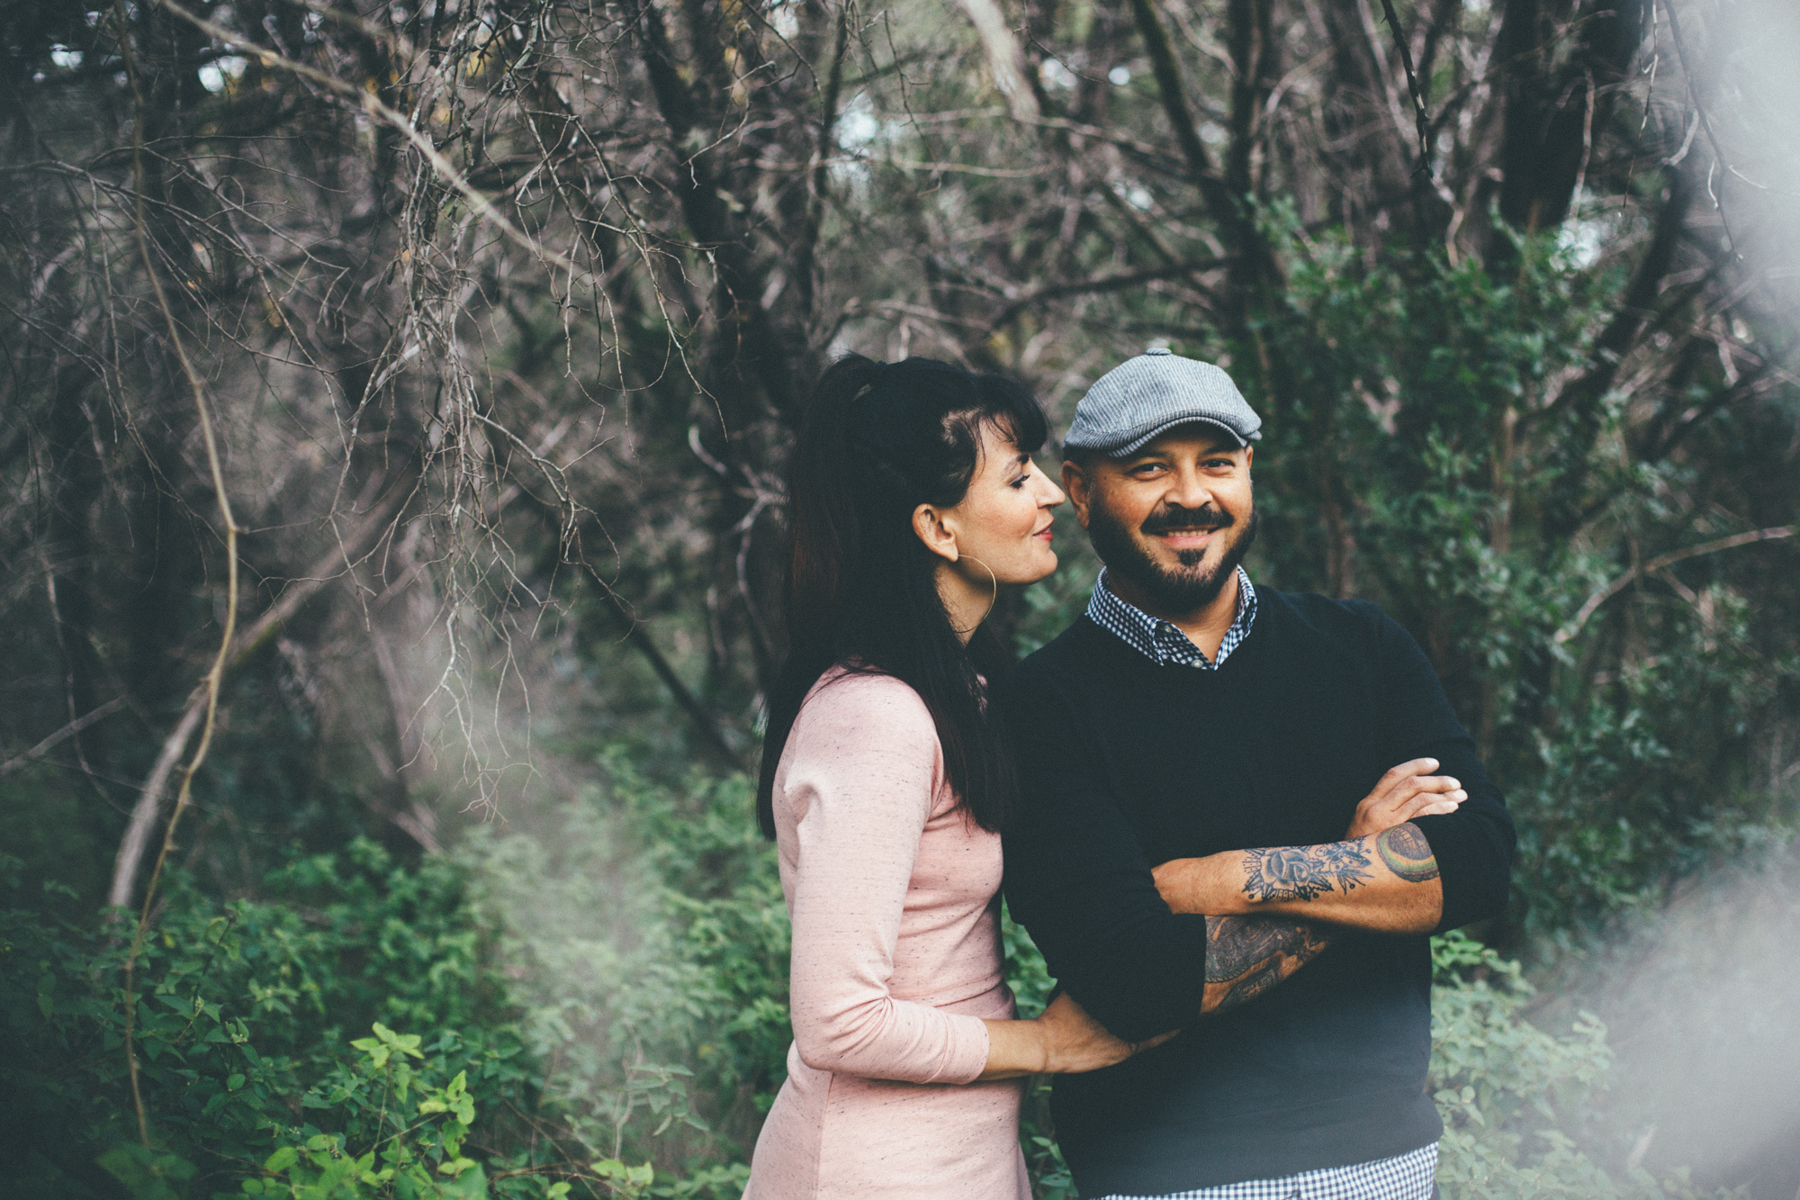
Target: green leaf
{"points": [[470, 1184], [145, 1173], [233, 1082], [282, 1159]]}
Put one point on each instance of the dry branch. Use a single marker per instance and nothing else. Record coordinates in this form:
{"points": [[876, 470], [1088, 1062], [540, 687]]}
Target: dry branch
{"points": [[1657, 564], [67, 731], [1005, 58], [143, 813]]}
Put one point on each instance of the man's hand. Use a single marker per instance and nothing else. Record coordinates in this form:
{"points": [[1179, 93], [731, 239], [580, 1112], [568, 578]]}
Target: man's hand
{"points": [[1402, 794]]}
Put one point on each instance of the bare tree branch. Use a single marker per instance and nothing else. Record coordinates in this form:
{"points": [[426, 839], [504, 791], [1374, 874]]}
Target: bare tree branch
{"points": [[1659, 563], [298, 592], [67, 731]]}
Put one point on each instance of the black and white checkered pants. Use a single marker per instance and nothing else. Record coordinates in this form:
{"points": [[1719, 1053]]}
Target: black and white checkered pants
{"points": [[1407, 1176]]}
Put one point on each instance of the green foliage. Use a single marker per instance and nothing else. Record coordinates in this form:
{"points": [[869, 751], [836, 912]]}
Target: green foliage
{"points": [[627, 1059], [240, 1015], [1513, 1097], [1423, 451], [645, 930]]}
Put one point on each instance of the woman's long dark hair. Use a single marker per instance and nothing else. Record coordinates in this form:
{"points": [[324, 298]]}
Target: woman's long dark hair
{"points": [[879, 440]]}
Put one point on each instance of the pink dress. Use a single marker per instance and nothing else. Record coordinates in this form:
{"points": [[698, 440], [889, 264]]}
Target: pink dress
{"points": [[896, 960]]}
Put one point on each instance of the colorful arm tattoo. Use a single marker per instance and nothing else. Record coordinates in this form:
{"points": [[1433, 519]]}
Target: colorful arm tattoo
{"points": [[1406, 853]]}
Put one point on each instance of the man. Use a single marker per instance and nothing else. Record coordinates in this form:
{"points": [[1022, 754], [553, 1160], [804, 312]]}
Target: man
{"points": [[1229, 744]]}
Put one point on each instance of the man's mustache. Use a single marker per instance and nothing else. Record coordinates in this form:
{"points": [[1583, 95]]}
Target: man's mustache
{"points": [[1173, 516]]}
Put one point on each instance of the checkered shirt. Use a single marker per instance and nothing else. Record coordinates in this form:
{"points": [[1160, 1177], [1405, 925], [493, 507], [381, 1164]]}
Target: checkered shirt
{"points": [[1404, 1177], [1162, 642]]}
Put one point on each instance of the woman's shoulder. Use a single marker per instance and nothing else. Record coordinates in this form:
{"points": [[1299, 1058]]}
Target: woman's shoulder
{"points": [[858, 729], [869, 699]]}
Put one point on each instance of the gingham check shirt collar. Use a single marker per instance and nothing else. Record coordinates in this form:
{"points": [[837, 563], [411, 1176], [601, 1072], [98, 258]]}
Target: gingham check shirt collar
{"points": [[1161, 641], [1403, 1177]]}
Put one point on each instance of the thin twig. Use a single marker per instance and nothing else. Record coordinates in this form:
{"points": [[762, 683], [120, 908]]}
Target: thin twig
{"points": [[213, 677], [1687, 72], [299, 591], [374, 105], [67, 731], [1106, 283], [1657, 564], [1422, 169]]}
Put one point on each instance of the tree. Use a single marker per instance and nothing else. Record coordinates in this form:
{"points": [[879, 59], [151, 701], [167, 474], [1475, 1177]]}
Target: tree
{"points": [[506, 315]]}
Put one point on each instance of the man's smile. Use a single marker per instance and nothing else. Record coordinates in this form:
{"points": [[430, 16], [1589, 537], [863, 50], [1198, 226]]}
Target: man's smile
{"points": [[1185, 538], [1185, 528]]}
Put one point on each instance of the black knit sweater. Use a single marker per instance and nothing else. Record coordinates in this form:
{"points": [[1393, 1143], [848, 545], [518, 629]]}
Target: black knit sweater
{"points": [[1125, 764]]}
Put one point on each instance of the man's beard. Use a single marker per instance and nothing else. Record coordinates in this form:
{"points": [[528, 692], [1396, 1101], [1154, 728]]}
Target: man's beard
{"points": [[1188, 588]]}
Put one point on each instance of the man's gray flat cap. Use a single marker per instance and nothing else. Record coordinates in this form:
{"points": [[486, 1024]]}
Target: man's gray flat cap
{"points": [[1147, 396]]}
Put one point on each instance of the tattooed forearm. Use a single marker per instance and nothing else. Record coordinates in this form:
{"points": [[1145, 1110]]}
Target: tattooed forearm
{"points": [[1406, 853], [1305, 872], [1246, 956]]}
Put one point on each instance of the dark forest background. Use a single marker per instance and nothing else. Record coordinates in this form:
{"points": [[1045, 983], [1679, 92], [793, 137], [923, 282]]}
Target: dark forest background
{"points": [[392, 413]]}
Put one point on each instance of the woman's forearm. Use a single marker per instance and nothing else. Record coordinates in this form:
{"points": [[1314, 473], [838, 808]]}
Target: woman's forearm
{"points": [[1015, 1048], [1063, 1040]]}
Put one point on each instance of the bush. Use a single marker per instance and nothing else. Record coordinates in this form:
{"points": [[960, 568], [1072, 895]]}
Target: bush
{"points": [[244, 1016], [1516, 1101]]}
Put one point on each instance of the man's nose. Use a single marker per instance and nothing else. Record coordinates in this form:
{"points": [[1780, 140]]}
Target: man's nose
{"points": [[1189, 489]]}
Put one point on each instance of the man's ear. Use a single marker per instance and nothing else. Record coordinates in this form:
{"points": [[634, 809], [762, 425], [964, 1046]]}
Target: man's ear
{"points": [[1075, 483], [938, 537]]}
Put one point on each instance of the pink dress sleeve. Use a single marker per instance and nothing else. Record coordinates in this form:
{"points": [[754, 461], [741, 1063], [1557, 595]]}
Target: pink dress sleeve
{"points": [[860, 776]]}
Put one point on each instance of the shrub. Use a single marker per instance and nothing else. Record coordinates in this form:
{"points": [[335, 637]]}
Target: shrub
{"points": [[250, 1076]]}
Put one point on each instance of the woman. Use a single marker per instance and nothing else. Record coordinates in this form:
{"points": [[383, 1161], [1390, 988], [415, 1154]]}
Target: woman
{"points": [[914, 499]]}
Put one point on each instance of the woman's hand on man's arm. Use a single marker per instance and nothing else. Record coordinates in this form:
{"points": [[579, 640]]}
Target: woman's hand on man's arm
{"points": [[1062, 1040]]}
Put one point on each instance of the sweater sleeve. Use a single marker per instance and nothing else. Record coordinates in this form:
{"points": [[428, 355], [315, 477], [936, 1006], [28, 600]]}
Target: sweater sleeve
{"points": [[1473, 845], [861, 770], [1078, 880]]}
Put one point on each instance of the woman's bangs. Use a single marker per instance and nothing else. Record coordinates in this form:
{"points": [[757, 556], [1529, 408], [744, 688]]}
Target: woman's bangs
{"points": [[1012, 411]]}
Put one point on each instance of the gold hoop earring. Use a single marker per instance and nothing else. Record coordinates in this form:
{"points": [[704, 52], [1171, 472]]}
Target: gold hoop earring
{"points": [[993, 597]]}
